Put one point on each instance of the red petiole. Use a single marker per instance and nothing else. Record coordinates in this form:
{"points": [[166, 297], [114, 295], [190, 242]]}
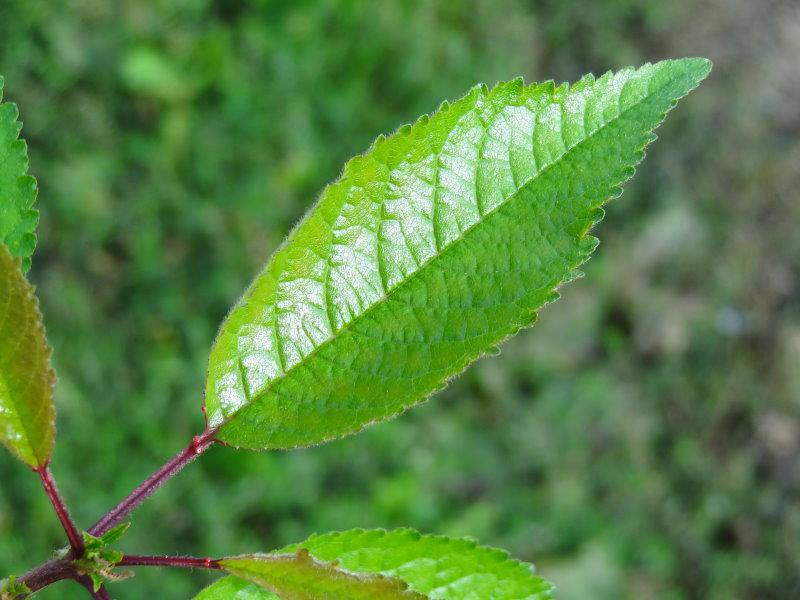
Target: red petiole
{"points": [[175, 465], [183, 562], [49, 485]]}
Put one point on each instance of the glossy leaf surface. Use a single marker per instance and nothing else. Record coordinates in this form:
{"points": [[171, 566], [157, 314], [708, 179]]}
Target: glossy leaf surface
{"points": [[27, 414], [433, 247], [18, 218], [433, 566]]}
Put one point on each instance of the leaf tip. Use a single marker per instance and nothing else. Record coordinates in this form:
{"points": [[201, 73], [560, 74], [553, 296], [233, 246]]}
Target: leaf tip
{"points": [[696, 68], [700, 66]]}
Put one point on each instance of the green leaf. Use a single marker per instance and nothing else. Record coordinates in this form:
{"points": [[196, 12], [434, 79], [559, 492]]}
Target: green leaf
{"points": [[18, 218], [110, 537], [433, 247], [27, 414], [233, 588], [97, 581], [10, 589], [298, 576], [98, 560], [436, 567]]}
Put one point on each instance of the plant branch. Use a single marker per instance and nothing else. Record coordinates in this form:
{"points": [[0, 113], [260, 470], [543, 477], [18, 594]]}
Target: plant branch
{"points": [[49, 484], [175, 465], [59, 569], [55, 569], [181, 562]]}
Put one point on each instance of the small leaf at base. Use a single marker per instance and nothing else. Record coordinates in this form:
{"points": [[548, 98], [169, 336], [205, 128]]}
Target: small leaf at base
{"points": [[11, 589], [98, 560]]}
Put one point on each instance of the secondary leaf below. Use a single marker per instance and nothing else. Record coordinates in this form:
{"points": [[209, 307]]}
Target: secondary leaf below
{"points": [[434, 567]]}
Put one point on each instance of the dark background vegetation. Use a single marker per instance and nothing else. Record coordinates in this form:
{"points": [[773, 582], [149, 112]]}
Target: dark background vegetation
{"points": [[642, 441]]}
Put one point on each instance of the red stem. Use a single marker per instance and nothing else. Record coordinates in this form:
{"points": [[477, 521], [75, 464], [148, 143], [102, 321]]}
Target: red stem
{"points": [[185, 562], [48, 573], [175, 465], [49, 484]]}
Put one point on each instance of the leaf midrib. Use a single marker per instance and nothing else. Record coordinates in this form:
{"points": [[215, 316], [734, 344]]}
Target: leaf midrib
{"points": [[423, 266]]}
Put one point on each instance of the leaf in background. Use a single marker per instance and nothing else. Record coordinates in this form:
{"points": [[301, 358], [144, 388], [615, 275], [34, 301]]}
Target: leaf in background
{"points": [[436, 567], [149, 72], [27, 414], [433, 247], [99, 559], [18, 218]]}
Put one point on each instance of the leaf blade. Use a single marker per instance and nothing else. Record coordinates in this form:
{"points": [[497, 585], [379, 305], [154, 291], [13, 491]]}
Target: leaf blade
{"points": [[436, 567], [18, 190], [394, 282], [27, 414]]}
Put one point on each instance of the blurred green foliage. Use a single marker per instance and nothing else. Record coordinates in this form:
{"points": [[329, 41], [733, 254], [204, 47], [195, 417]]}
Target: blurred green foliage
{"points": [[642, 441]]}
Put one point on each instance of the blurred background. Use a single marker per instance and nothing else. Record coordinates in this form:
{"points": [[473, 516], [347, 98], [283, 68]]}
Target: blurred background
{"points": [[642, 441]]}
